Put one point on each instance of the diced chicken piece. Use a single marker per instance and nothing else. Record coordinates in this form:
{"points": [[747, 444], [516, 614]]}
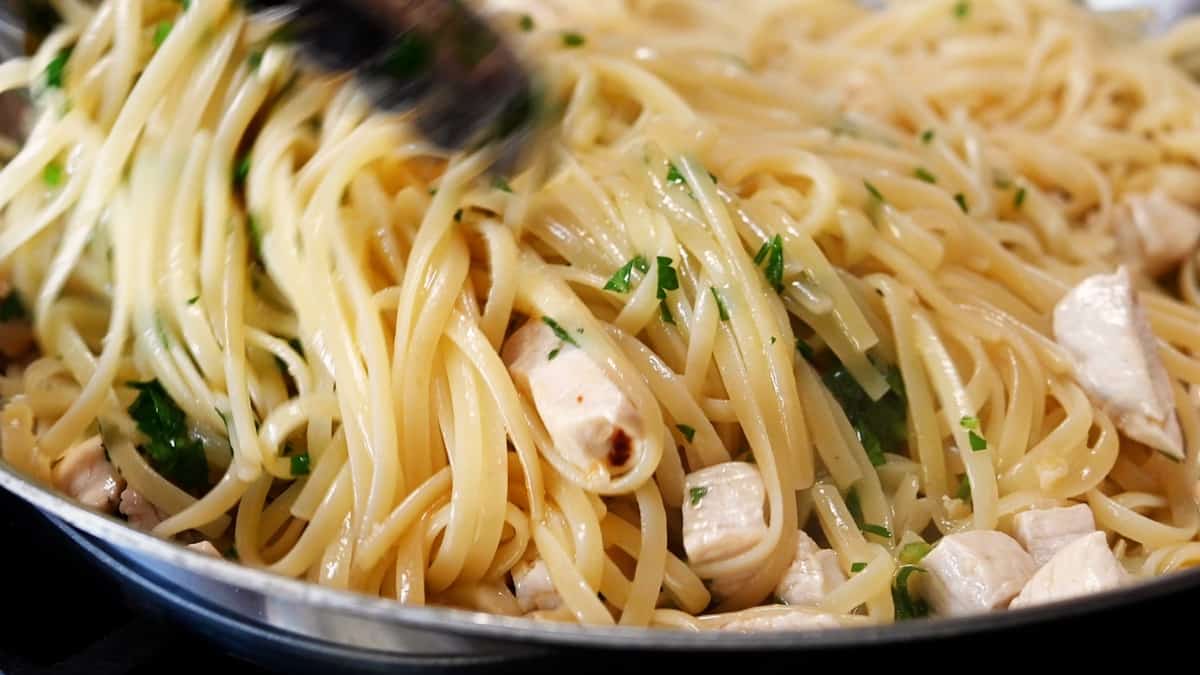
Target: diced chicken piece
{"points": [[789, 619], [1044, 532], [812, 575], [1105, 331], [722, 511], [1156, 232], [86, 475], [205, 547], [975, 571], [139, 511], [591, 421], [1082, 567], [533, 587]]}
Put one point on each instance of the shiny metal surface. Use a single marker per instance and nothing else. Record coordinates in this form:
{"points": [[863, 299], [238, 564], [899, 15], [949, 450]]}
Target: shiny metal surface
{"points": [[253, 612]]}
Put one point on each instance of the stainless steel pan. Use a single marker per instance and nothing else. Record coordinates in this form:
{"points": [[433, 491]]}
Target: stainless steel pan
{"points": [[284, 623]]}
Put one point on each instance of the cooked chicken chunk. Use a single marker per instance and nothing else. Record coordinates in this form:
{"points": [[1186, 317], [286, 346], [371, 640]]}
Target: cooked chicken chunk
{"points": [[1105, 331], [973, 572], [1082, 567], [1044, 532], [1156, 232], [792, 618], [205, 547], [812, 575], [533, 587], [722, 511], [139, 511], [85, 474], [591, 421]]}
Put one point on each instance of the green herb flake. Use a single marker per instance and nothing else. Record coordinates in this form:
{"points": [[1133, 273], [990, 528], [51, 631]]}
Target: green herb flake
{"points": [[554, 353], [962, 10], [978, 443], [772, 339], [559, 332], [12, 308], [874, 192], [241, 170], [256, 234], [688, 432], [673, 175], [161, 31], [969, 422], [854, 505], [923, 174], [1019, 198], [907, 607], [774, 269], [857, 567], [762, 253], [668, 280], [573, 39], [56, 69], [877, 530], [526, 23], [664, 312], [927, 136], [913, 553], [170, 448], [881, 425], [619, 282], [52, 175], [301, 464], [193, 300], [722, 310], [696, 494], [961, 200], [501, 184], [964, 489]]}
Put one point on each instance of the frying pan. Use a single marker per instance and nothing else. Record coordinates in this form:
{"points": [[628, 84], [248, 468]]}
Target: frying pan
{"points": [[285, 623]]}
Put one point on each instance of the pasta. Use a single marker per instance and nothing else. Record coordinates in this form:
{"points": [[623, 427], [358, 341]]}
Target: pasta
{"points": [[819, 264]]}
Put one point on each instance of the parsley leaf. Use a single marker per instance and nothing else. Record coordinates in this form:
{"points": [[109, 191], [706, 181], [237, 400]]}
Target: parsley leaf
{"points": [[502, 185], [619, 282], [668, 280], [52, 175], [854, 505], [881, 425], [877, 530], [927, 136], [12, 307], [722, 310], [762, 253], [673, 175], [301, 464], [56, 68], [559, 332], [572, 39], [913, 553], [907, 607], [962, 9], [171, 449], [968, 422], [161, 31], [964, 489], [696, 494], [1019, 198], [961, 200], [978, 443], [241, 170], [688, 432], [774, 268], [857, 567], [526, 23], [874, 192], [923, 174], [665, 312]]}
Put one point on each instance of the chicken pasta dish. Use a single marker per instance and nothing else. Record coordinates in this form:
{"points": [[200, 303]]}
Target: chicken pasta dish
{"points": [[805, 314]]}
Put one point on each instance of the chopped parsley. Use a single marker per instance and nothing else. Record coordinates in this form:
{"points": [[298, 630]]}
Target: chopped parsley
{"points": [[927, 136], [665, 312], [773, 254], [560, 333], [161, 31], [673, 175], [907, 607], [857, 567], [722, 310], [772, 339], [193, 300], [171, 449], [56, 69], [696, 494], [52, 175], [1019, 198], [874, 192], [923, 174], [241, 170], [554, 353], [501, 184], [877, 530], [762, 253], [572, 39], [971, 424], [619, 282], [962, 9], [255, 59], [301, 464], [854, 505], [961, 200], [964, 489], [668, 280], [913, 553], [526, 23], [688, 432], [12, 308], [881, 425]]}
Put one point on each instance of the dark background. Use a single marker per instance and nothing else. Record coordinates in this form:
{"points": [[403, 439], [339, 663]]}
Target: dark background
{"points": [[62, 616]]}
